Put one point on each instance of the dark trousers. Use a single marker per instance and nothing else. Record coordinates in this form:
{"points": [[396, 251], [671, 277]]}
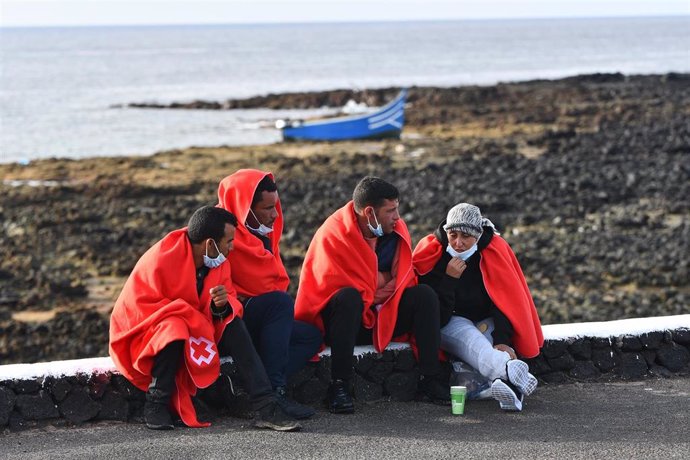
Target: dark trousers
{"points": [[235, 343], [284, 345], [418, 313]]}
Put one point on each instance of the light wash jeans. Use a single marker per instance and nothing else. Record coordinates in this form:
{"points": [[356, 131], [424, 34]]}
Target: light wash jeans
{"points": [[462, 338]]}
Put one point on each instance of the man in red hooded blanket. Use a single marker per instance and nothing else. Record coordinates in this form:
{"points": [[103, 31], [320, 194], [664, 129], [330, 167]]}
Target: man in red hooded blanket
{"points": [[258, 274], [358, 286], [177, 314], [488, 317]]}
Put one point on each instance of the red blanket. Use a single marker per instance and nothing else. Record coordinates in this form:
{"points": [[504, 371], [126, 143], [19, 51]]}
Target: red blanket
{"points": [[159, 304], [339, 257], [257, 270], [505, 284]]}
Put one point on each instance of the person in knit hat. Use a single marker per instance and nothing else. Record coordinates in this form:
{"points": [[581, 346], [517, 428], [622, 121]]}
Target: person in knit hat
{"points": [[488, 317]]}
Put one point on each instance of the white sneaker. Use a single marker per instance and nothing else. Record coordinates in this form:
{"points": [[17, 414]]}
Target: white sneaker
{"points": [[510, 399], [518, 375]]}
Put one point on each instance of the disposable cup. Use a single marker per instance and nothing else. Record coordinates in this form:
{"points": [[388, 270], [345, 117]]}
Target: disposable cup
{"points": [[457, 399]]}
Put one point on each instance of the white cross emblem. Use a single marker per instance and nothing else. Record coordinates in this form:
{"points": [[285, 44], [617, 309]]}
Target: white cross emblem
{"points": [[201, 350]]}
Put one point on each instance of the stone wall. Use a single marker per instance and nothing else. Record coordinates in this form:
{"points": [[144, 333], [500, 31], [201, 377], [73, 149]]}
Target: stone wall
{"points": [[103, 394]]}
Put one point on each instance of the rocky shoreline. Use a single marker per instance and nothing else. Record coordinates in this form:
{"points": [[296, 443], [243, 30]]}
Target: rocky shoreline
{"points": [[587, 178]]}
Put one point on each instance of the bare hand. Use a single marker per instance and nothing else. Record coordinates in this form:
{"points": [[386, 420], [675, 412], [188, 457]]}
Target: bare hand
{"points": [[507, 349], [219, 295], [455, 267]]}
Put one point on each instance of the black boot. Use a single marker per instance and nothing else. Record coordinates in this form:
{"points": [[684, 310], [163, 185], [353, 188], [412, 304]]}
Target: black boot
{"points": [[291, 407], [156, 412], [339, 398], [434, 390]]}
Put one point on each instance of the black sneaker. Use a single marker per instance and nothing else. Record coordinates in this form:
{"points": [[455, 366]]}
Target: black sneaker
{"points": [[432, 389], [273, 418], [339, 398], [292, 408], [157, 416]]}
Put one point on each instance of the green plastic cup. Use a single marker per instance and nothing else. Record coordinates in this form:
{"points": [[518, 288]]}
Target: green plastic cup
{"points": [[457, 399]]}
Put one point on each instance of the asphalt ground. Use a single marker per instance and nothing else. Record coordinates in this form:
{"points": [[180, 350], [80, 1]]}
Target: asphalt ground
{"points": [[628, 420]]}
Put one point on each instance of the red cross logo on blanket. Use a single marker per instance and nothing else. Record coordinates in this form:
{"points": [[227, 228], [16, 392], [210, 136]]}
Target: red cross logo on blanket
{"points": [[201, 350]]}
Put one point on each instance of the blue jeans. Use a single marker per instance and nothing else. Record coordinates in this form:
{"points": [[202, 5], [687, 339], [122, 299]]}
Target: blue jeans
{"points": [[284, 345]]}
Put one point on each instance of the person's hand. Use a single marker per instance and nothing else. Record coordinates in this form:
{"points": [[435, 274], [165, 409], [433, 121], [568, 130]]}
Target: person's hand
{"points": [[455, 267], [507, 349], [219, 296]]}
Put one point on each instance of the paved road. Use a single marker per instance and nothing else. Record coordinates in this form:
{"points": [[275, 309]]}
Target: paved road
{"points": [[649, 419]]}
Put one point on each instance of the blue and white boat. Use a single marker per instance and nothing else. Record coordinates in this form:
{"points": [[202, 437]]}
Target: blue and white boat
{"points": [[385, 122]]}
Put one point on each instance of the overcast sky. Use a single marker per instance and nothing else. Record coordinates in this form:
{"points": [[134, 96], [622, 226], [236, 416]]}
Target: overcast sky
{"points": [[122, 12]]}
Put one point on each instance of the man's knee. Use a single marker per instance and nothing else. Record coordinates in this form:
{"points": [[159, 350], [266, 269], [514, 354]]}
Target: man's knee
{"points": [[279, 302], [348, 300], [423, 296]]}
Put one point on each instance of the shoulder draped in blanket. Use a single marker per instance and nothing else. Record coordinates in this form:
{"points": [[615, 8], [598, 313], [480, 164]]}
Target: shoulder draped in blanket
{"points": [[159, 304], [339, 257], [256, 270], [505, 284]]}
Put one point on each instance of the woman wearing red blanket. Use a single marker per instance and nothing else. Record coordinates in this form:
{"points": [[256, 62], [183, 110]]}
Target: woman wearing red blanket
{"points": [[488, 317]]}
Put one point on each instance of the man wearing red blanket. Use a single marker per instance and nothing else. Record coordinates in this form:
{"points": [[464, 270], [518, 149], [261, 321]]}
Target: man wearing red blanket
{"points": [[177, 314], [258, 274], [358, 286]]}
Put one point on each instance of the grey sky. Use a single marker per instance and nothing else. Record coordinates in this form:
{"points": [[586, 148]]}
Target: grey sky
{"points": [[101, 12]]}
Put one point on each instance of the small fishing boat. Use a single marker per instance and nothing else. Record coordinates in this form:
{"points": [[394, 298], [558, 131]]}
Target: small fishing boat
{"points": [[385, 122]]}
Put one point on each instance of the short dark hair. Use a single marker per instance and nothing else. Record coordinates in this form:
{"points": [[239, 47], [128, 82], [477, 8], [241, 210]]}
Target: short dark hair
{"points": [[265, 185], [372, 191], [209, 222]]}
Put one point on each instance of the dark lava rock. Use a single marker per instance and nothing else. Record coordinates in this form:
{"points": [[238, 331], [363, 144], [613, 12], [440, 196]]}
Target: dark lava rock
{"points": [[37, 407], [380, 370], [401, 386], [125, 387], [632, 366], [364, 364], [98, 384], [26, 386], [605, 360], [405, 361], [584, 370], [113, 407], [366, 390], [17, 422], [563, 362], [652, 340], [554, 348], [601, 343], [7, 401], [538, 365], [580, 349], [302, 376], [78, 407], [660, 371], [682, 336], [629, 343], [311, 393], [554, 377], [59, 388], [673, 357]]}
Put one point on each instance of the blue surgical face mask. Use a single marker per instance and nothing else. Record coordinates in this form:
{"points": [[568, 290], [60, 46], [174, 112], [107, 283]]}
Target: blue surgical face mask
{"points": [[464, 255], [378, 231], [216, 261], [262, 229]]}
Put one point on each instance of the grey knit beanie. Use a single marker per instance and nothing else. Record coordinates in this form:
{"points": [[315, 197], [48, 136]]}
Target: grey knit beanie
{"points": [[467, 218]]}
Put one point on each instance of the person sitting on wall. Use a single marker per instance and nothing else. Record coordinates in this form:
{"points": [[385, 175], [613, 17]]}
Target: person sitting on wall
{"points": [[488, 317], [358, 286], [177, 314], [261, 281]]}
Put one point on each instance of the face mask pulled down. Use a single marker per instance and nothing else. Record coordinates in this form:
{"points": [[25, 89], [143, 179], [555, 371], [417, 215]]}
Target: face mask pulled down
{"points": [[213, 262], [464, 255], [378, 230], [261, 229]]}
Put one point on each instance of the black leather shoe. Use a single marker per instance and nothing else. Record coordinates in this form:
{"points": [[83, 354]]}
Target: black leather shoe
{"points": [[432, 389], [339, 398], [157, 416], [292, 408]]}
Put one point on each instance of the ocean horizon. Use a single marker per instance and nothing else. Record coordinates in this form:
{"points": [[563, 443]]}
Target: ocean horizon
{"points": [[59, 84]]}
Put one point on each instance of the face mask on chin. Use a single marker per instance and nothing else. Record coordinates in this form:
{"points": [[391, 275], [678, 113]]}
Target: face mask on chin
{"points": [[261, 229], [378, 231], [464, 255], [213, 262]]}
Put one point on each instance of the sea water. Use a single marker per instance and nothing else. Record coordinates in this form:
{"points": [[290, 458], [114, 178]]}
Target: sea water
{"points": [[59, 86]]}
